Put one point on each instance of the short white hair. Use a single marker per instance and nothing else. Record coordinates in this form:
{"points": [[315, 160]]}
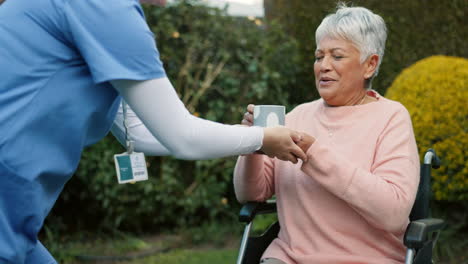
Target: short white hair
{"points": [[366, 30]]}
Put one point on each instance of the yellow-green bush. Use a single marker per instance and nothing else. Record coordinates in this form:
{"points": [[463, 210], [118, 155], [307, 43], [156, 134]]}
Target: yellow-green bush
{"points": [[435, 92]]}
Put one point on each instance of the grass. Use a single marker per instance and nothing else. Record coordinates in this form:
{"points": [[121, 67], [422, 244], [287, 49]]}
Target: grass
{"points": [[199, 256], [151, 249], [210, 243], [206, 244]]}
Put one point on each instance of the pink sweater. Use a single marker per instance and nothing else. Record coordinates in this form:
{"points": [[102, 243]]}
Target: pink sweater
{"points": [[350, 202]]}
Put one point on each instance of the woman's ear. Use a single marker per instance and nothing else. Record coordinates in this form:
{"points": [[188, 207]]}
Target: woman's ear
{"points": [[371, 65]]}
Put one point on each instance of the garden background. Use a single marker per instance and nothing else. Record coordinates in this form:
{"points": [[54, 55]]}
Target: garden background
{"points": [[219, 64]]}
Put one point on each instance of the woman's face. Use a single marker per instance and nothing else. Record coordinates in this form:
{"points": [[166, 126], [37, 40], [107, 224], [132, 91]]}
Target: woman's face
{"points": [[339, 74], [153, 2]]}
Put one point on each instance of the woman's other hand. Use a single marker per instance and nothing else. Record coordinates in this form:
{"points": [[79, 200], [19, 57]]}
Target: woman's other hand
{"points": [[305, 142]]}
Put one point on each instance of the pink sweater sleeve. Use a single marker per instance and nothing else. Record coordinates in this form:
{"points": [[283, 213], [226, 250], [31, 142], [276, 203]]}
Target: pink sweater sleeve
{"points": [[384, 195], [254, 178]]}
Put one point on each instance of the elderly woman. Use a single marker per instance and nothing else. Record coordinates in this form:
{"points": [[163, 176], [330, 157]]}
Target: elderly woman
{"points": [[350, 201]]}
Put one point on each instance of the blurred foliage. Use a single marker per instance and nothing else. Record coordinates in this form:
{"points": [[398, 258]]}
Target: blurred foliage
{"points": [[218, 64], [435, 92], [416, 30], [452, 243], [262, 222]]}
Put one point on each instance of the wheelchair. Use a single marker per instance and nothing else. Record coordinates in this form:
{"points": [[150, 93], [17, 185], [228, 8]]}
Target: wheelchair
{"points": [[420, 237]]}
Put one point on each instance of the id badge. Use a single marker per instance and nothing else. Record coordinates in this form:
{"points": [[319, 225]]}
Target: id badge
{"points": [[130, 168]]}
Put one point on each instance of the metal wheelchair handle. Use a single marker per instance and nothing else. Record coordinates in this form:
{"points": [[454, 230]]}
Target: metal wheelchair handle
{"points": [[251, 209], [431, 158]]}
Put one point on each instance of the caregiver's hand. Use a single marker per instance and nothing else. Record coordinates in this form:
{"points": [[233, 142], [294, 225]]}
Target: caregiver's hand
{"points": [[279, 142]]}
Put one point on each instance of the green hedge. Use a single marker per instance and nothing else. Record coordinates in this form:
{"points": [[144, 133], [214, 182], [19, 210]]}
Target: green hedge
{"points": [[218, 64]]}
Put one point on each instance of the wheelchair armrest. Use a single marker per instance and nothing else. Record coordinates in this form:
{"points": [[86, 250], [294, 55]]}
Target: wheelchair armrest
{"points": [[416, 235], [251, 209]]}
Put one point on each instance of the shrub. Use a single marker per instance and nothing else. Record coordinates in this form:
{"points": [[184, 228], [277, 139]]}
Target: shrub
{"points": [[435, 92]]}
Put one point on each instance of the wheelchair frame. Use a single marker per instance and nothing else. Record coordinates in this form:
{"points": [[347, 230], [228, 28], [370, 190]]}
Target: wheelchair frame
{"points": [[420, 237]]}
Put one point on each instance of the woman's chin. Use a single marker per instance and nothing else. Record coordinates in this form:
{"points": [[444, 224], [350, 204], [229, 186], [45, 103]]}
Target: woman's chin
{"points": [[325, 93], [328, 97]]}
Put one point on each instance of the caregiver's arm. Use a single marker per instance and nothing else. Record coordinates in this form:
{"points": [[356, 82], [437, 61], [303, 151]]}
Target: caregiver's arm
{"points": [[188, 137], [143, 140]]}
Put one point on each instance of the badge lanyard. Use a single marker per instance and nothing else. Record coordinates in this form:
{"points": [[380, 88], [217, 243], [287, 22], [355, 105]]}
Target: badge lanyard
{"points": [[128, 142], [130, 166]]}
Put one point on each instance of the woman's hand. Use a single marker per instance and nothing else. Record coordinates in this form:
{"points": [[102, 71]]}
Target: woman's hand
{"points": [[248, 116], [306, 141]]}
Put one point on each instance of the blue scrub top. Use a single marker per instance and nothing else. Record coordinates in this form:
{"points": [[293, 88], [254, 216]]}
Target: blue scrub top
{"points": [[56, 58]]}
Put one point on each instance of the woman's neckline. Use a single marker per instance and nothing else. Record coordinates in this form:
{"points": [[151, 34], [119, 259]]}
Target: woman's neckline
{"points": [[335, 116], [371, 93]]}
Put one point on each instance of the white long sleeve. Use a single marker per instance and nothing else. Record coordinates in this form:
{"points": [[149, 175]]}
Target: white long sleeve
{"points": [[175, 131], [143, 140]]}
